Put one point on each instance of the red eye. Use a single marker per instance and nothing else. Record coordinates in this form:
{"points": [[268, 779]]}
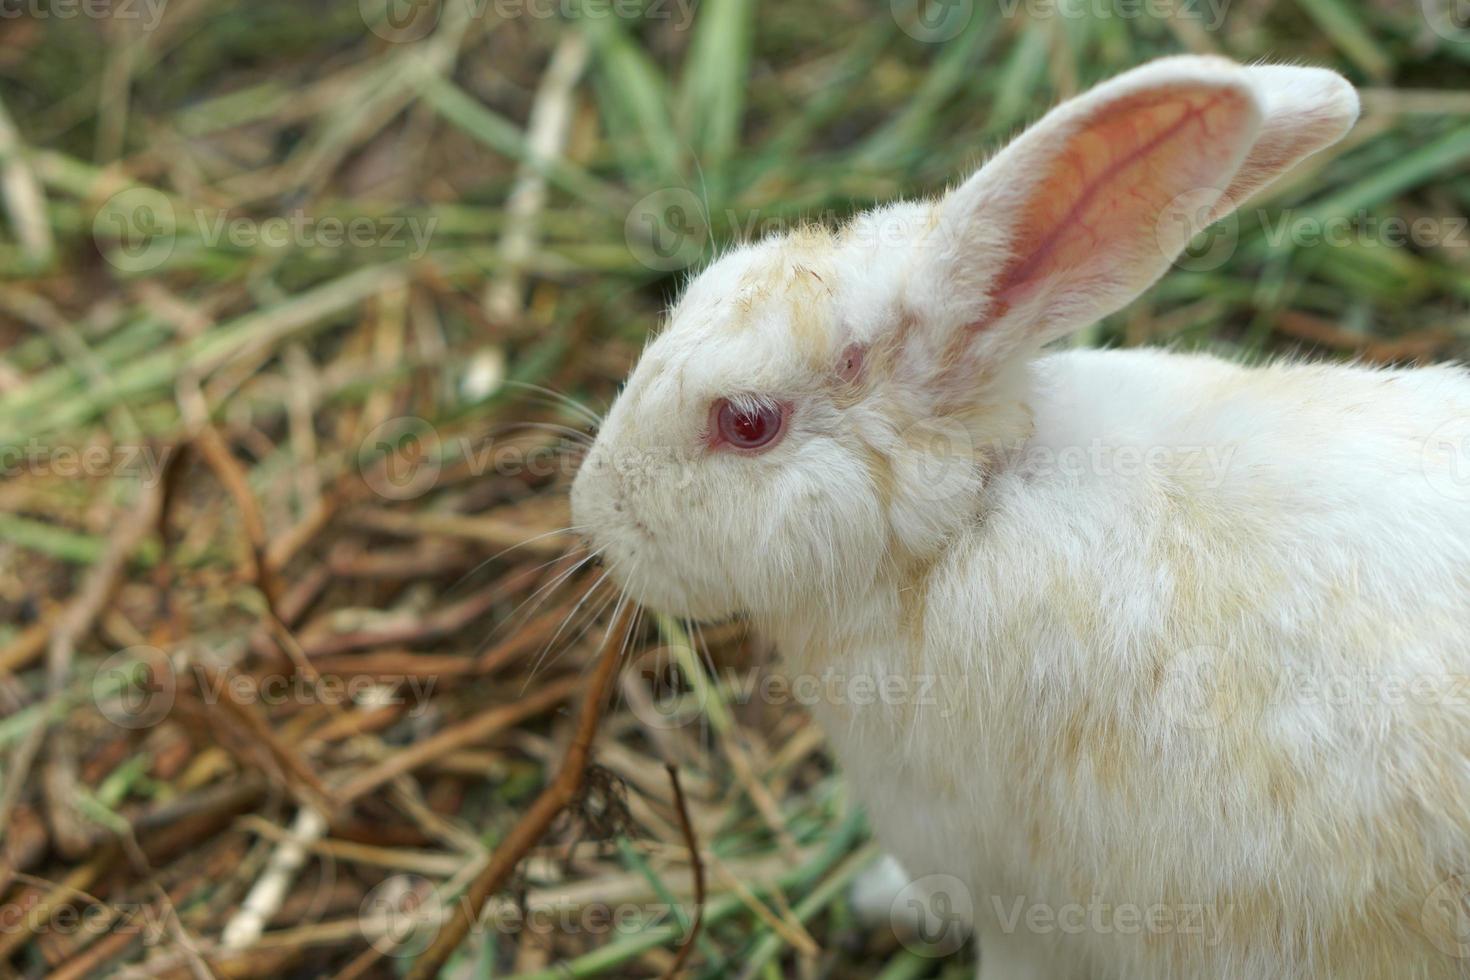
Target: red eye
{"points": [[748, 428]]}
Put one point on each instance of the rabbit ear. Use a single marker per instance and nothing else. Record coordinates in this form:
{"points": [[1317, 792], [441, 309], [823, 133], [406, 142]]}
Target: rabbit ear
{"points": [[1306, 109], [1089, 207]]}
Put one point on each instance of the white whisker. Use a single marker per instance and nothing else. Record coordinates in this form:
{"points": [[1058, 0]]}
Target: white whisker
{"points": [[571, 529], [545, 657], [586, 412]]}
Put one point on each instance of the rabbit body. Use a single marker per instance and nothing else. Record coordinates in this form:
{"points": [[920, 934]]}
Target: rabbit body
{"points": [[1154, 665]]}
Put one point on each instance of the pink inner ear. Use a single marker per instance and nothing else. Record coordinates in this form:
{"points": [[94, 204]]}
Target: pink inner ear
{"points": [[1092, 216]]}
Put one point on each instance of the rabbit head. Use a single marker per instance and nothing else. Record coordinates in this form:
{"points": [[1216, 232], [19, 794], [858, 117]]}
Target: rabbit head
{"points": [[825, 405]]}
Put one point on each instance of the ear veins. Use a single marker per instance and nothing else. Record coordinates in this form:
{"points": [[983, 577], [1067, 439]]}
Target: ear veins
{"points": [[1117, 123]]}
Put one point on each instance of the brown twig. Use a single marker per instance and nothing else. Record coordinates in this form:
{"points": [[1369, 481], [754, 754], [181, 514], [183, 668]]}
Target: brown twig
{"points": [[27, 646], [227, 470], [299, 535], [686, 945], [560, 793]]}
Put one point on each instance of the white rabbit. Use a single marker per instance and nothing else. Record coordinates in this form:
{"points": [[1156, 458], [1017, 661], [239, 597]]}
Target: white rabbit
{"points": [[1170, 655]]}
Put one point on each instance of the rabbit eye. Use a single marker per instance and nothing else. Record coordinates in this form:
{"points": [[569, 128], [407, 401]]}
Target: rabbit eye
{"points": [[755, 427]]}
